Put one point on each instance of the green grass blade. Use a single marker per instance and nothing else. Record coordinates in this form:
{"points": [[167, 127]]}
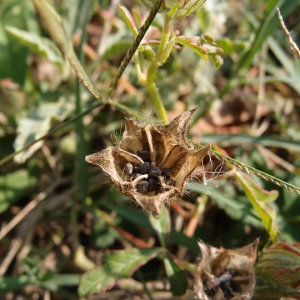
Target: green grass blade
{"points": [[269, 24]]}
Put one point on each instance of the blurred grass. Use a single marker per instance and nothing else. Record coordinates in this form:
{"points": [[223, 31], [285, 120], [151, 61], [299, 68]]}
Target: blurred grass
{"points": [[84, 210]]}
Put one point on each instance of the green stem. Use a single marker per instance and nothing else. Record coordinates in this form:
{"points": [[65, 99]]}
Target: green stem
{"points": [[155, 63], [165, 36], [159, 106]]}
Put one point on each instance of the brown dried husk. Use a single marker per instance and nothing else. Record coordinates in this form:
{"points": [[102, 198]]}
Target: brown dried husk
{"points": [[168, 149], [214, 262]]}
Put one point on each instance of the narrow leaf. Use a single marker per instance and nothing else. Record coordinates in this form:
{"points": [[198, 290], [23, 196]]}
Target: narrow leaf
{"points": [[162, 226], [128, 19], [38, 44], [116, 265], [52, 23], [176, 277], [258, 198], [193, 46]]}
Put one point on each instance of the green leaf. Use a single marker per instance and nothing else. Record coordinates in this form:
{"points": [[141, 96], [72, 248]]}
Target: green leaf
{"points": [[259, 198], [128, 19], [176, 277], [231, 47], [116, 265], [13, 186], [14, 283], [37, 123], [13, 54], [38, 44], [269, 24], [52, 22], [162, 225], [190, 43], [234, 208]]}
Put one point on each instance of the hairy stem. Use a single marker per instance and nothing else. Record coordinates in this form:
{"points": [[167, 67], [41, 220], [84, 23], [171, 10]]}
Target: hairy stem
{"points": [[155, 63]]}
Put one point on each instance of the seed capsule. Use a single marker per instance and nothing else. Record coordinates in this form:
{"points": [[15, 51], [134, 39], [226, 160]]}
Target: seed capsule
{"points": [[144, 155], [166, 172], [144, 168], [128, 168], [143, 187], [153, 185], [154, 171]]}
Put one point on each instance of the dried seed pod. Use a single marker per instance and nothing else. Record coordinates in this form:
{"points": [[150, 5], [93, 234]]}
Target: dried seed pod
{"points": [[167, 148], [144, 168], [143, 187], [217, 269], [128, 168], [154, 171], [144, 155]]}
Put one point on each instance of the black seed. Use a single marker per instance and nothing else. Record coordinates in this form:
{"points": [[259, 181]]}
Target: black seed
{"points": [[166, 172], [155, 171], [136, 169], [225, 289], [209, 291], [144, 168], [153, 185], [134, 176], [235, 288], [143, 187], [128, 168], [144, 155]]}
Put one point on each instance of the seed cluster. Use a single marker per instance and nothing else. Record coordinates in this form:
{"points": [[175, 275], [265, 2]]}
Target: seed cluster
{"points": [[157, 178], [226, 283]]}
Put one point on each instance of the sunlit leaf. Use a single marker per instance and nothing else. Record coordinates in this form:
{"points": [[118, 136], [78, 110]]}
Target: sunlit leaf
{"points": [[37, 123], [128, 19], [186, 41], [116, 265], [259, 198], [38, 44]]}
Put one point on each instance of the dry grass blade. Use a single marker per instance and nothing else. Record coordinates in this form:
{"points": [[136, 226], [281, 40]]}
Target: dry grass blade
{"points": [[293, 45], [27, 209]]}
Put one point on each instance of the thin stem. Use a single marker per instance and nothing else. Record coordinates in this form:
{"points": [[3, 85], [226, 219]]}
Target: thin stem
{"points": [[159, 60], [159, 106], [165, 36]]}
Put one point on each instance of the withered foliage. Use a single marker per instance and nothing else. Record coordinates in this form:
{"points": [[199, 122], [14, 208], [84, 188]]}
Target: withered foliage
{"points": [[226, 274], [152, 164]]}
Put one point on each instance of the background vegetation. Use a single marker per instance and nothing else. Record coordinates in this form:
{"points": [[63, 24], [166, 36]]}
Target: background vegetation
{"points": [[61, 217]]}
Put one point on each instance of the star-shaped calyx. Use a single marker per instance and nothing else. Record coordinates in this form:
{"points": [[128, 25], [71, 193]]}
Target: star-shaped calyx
{"points": [[152, 164]]}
